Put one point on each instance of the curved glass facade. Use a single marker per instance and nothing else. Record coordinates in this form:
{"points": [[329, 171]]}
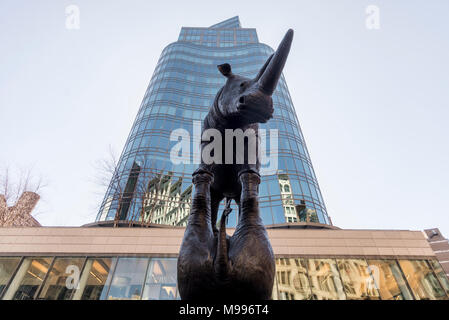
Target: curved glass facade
{"points": [[148, 187]]}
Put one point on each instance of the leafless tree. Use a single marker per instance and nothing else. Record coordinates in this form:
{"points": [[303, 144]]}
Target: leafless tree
{"points": [[110, 182], [136, 191], [139, 194], [105, 168], [20, 190], [106, 176]]}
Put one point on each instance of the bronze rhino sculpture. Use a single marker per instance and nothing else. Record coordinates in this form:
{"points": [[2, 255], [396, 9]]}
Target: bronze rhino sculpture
{"points": [[212, 265]]}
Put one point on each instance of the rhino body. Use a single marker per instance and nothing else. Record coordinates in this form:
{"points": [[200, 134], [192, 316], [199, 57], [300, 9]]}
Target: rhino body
{"points": [[212, 265]]}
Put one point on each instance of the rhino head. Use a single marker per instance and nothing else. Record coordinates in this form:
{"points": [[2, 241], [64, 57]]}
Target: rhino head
{"points": [[249, 100]]}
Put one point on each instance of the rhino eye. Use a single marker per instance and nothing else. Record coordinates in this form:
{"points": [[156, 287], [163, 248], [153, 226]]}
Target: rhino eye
{"points": [[242, 84]]}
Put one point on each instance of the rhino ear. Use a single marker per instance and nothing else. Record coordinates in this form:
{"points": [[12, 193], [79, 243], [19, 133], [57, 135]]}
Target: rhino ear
{"points": [[225, 69]]}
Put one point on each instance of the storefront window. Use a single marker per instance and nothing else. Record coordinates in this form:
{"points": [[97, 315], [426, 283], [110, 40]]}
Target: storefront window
{"points": [[135, 278], [422, 280], [358, 282], [389, 280], [28, 279], [292, 279], [161, 280], [128, 279], [439, 272], [7, 268], [63, 279], [325, 280], [95, 276]]}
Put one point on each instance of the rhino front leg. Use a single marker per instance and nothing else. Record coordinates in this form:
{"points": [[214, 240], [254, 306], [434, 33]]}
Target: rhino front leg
{"points": [[195, 261], [200, 214], [249, 200], [251, 252]]}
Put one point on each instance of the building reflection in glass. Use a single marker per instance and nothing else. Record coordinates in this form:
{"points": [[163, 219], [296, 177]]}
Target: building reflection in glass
{"points": [[358, 282], [306, 214], [166, 202], [325, 280], [292, 279], [422, 280], [160, 283], [154, 278], [441, 275], [292, 211], [287, 198], [390, 280], [128, 279]]}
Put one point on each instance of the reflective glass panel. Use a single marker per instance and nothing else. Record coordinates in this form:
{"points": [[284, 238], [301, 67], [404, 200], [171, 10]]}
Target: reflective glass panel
{"points": [[325, 280], [439, 272], [389, 280], [95, 276], [357, 280], [29, 277], [161, 280], [274, 293], [422, 280], [62, 280], [128, 279], [7, 268], [292, 279]]}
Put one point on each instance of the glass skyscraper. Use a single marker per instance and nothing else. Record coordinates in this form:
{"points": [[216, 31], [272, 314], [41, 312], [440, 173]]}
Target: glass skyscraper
{"points": [[148, 187]]}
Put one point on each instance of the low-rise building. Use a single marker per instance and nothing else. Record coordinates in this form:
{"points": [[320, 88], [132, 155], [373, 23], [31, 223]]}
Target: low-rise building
{"points": [[312, 262]]}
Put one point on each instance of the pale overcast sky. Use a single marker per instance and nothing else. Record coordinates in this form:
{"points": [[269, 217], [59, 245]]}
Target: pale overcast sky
{"points": [[373, 104]]}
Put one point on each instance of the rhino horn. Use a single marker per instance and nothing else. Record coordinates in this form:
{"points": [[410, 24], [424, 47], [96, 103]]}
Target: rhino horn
{"points": [[269, 77]]}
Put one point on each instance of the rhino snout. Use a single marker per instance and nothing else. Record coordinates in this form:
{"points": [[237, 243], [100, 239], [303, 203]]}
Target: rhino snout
{"points": [[256, 107]]}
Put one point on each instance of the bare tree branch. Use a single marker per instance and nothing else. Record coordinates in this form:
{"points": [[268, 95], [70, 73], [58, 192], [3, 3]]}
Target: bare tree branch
{"points": [[20, 190]]}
